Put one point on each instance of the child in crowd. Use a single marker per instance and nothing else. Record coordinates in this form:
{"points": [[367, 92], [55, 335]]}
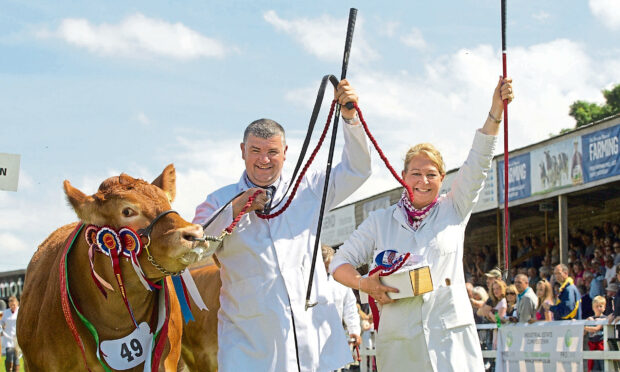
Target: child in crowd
{"points": [[596, 332]]}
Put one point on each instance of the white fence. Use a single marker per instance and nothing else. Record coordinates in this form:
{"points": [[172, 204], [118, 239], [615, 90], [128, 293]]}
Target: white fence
{"points": [[611, 357]]}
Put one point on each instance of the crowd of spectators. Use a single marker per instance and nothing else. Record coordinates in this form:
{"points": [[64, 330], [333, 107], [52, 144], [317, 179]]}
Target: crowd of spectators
{"points": [[540, 288], [593, 258]]}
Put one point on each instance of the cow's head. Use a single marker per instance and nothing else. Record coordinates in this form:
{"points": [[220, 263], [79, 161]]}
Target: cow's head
{"points": [[123, 201]]}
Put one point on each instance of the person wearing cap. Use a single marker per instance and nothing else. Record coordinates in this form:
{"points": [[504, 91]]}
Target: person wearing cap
{"points": [[610, 294], [568, 305], [434, 331]]}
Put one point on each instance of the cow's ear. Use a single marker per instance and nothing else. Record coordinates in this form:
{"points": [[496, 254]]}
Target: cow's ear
{"points": [[81, 202], [167, 182]]}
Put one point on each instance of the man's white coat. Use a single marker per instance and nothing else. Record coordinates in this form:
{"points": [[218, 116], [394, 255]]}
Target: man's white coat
{"points": [[265, 270]]}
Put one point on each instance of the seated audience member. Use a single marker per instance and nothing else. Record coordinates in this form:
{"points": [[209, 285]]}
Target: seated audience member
{"points": [[498, 300], [610, 269], [578, 271], [544, 293], [533, 277], [511, 303], [479, 294], [616, 247], [595, 333], [527, 300]]}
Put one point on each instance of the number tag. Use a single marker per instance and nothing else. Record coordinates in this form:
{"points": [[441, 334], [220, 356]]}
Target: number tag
{"points": [[129, 351]]}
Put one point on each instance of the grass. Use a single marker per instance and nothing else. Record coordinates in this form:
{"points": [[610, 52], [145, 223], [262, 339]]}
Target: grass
{"points": [[21, 365]]}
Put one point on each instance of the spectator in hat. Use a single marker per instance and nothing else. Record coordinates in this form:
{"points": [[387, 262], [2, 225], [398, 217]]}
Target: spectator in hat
{"points": [[569, 298], [610, 294]]}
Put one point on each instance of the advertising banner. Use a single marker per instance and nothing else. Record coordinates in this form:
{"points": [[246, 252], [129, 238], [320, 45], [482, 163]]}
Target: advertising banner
{"points": [[548, 346], [600, 154], [519, 177], [338, 224], [488, 196], [556, 166]]}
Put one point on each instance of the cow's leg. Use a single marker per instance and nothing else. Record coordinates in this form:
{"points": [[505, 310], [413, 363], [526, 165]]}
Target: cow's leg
{"points": [[175, 331]]}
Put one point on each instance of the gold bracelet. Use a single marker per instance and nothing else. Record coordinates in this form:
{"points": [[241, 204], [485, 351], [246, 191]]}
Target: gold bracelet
{"points": [[494, 119]]}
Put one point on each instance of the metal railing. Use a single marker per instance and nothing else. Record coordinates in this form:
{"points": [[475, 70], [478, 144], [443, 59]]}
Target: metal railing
{"points": [[610, 354]]}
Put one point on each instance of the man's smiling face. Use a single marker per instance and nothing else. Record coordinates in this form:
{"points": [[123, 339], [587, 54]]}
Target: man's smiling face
{"points": [[264, 158]]}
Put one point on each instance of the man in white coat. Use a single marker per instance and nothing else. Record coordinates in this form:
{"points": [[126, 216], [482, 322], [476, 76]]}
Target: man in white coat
{"points": [[265, 264]]}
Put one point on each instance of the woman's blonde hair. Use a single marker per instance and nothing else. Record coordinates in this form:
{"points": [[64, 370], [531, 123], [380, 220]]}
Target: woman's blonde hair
{"points": [[547, 292], [502, 286], [430, 152]]}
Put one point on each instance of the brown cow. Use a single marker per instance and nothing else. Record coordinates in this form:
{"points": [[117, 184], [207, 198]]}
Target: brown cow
{"points": [[122, 201], [199, 350]]}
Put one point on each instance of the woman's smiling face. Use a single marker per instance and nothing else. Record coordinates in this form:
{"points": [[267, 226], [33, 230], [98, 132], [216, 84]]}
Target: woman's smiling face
{"points": [[424, 178]]}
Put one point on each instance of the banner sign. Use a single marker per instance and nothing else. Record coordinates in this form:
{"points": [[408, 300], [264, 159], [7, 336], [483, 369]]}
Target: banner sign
{"points": [[600, 154], [519, 176], [338, 224], [9, 171], [556, 166], [548, 346], [488, 196]]}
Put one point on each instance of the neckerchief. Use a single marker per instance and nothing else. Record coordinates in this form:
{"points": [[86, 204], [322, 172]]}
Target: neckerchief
{"points": [[522, 293], [414, 216], [566, 283]]}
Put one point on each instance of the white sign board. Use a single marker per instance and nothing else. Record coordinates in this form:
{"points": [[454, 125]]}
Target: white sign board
{"points": [[9, 171], [338, 225], [375, 204], [556, 346]]}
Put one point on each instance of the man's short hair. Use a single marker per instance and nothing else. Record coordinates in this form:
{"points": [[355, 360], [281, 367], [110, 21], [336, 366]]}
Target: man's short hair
{"points": [[523, 277], [563, 267], [264, 128]]}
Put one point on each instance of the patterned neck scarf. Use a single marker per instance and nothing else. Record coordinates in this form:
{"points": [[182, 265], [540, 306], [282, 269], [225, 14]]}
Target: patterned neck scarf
{"points": [[414, 216]]}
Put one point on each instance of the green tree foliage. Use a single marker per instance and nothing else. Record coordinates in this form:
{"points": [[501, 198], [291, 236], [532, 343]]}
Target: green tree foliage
{"points": [[588, 112]]}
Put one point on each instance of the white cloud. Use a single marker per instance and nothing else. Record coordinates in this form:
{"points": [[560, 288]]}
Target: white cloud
{"points": [[323, 37], [143, 119], [450, 100], [11, 243], [541, 16], [414, 39], [607, 11], [139, 36]]}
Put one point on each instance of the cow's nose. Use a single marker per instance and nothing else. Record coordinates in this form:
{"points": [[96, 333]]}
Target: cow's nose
{"points": [[192, 233]]}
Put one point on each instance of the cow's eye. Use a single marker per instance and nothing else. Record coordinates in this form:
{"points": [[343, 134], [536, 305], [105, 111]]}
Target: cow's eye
{"points": [[128, 212]]}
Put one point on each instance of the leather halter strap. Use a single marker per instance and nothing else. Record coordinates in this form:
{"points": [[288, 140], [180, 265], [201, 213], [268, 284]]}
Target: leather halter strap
{"points": [[147, 230]]}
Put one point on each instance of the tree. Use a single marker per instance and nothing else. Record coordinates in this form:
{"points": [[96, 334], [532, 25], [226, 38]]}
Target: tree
{"points": [[588, 112]]}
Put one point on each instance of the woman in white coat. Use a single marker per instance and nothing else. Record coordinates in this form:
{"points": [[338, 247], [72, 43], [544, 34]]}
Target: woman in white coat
{"points": [[434, 331]]}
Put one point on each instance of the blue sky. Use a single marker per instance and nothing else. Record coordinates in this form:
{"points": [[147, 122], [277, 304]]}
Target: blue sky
{"points": [[92, 89]]}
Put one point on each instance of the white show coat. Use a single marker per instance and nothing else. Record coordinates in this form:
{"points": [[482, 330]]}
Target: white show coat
{"points": [[346, 303], [265, 271], [8, 328], [432, 332]]}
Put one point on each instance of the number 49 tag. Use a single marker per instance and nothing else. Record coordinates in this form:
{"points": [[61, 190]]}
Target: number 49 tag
{"points": [[129, 351]]}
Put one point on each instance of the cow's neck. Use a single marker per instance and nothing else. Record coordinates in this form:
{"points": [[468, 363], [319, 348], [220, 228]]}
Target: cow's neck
{"points": [[109, 315]]}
